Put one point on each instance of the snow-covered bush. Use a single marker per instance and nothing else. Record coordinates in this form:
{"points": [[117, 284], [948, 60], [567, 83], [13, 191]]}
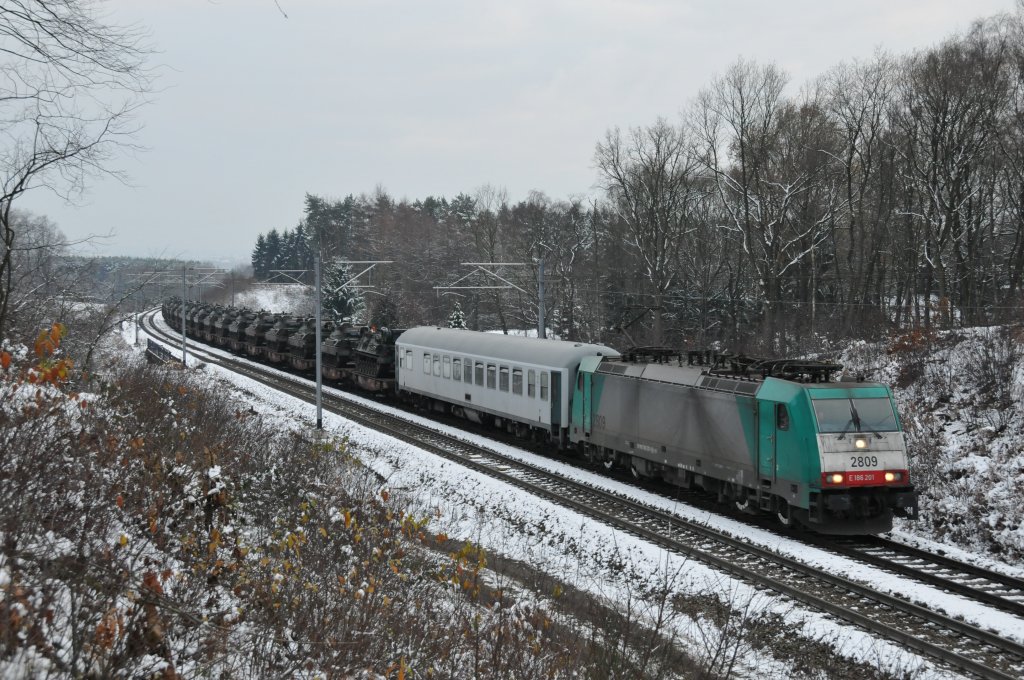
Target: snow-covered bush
{"points": [[155, 528], [959, 395]]}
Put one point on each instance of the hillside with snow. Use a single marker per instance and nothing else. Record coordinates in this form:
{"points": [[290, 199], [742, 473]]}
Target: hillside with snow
{"points": [[960, 396]]}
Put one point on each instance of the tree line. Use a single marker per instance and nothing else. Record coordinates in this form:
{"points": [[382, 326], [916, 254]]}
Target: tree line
{"points": [[884, 194]]}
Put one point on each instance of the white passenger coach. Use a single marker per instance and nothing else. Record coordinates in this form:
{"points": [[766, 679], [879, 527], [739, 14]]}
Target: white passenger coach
{"points": [[524, 382]]}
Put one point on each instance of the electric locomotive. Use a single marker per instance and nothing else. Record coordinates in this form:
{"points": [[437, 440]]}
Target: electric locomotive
{"points": [[774, 437]]}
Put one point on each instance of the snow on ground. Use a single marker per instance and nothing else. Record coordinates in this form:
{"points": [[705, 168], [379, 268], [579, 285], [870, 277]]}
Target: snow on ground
{"points": [[276, 298], [594, 557]]}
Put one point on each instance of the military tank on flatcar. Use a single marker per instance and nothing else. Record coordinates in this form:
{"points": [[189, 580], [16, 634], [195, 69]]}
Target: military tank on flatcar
{"points": [[197, 318], [776, 437], [256, 334], [222, 323], [207, 330], [167, 309], [237, 327], [374, 359], [338, 352], [277, 350], [302, 344]]}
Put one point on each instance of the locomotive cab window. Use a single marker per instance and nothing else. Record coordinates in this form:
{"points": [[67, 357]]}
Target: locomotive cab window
{"points": [[456, 369], [781, 417], [426, 364], [544, 385], [479, 374], [492, 371], [531, 384], [860, 414], [503, 378], [517, 381], [446, 367]]}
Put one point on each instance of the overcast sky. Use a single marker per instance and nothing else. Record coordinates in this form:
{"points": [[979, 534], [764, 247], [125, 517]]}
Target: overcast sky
{"points": [[431, 98]]}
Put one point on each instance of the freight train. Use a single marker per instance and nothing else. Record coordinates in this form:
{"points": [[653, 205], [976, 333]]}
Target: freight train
{"points": [[774, 437]]}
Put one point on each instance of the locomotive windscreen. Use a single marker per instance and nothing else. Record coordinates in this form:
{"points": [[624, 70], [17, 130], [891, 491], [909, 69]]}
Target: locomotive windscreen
{"points": [[855, 415]]}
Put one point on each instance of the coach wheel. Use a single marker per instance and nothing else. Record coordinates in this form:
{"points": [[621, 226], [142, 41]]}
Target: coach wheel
{"points": [[785, 514]]}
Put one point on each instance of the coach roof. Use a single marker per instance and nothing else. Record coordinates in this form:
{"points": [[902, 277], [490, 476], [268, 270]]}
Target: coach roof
{"points": [[554, 353]]}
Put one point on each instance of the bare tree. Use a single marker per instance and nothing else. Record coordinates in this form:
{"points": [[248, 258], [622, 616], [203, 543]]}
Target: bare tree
{"points": [[858, 101], [770, 169], [70, 83], [650, 176], [950, 99]]}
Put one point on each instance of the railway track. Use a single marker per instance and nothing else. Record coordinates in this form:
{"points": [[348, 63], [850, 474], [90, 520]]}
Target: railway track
{"points": [[990, 588], [954, 644]]}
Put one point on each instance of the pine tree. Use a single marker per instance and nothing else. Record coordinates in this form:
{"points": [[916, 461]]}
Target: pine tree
{"points": [[302, 248], [259, 258], [385, 315], [274, 251], [340, 302], [457, 319]]}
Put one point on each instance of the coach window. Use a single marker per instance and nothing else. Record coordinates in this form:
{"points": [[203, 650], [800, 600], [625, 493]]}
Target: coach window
{"points": [[517, 381], [492, 371], [468, 375], [426, 364], [503, 379], [456, 369], [544, 385], [531, 384], [437, 365], [408, 358], [479, 374], [447, 366]]}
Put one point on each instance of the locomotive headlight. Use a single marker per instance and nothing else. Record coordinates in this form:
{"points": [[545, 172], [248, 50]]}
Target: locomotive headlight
{"points": [[860, 442], [894, 476], [836, 478]]}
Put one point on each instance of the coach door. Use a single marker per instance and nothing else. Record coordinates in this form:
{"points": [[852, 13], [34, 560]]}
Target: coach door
{"points": [[556, 398], [766, 439]]}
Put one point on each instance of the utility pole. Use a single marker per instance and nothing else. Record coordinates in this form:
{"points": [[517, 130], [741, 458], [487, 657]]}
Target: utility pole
{"points": [[203, 276], [184, 300], [319, 375], [295, 277], [542, 329]]}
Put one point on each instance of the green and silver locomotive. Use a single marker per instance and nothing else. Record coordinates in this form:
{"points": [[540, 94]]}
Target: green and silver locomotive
{"points": [[775, 437]]}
